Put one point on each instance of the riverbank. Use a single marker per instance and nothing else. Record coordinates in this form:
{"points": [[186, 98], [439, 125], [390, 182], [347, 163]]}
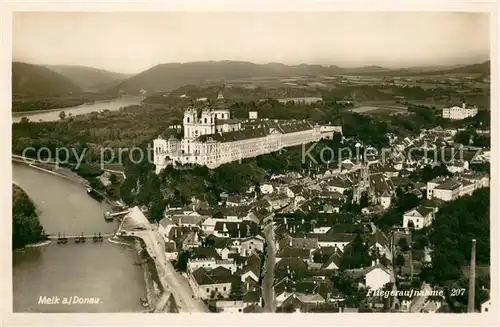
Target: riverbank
{"points": [[154, 289], [51, 113], [63, 172], [58, 104], [51, 169], [35, 245]]}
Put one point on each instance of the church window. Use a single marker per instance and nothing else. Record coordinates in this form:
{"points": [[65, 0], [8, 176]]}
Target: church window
{"points": [[188, 119], [205, 120]]}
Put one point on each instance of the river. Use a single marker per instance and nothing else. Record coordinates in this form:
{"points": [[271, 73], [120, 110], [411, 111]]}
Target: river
{"points": [[90, 270], [53, 114]]}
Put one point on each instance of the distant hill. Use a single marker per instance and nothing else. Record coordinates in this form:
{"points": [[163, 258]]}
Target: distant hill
{"points": [[88, 78], [28, 79], [482, 68], [166, 77]]}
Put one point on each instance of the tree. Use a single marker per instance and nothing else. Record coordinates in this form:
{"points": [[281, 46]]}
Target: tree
{"points": [[26, 227], [463, 137], [348, 287], [113, 179], [403, 244], [182, 260], [236, 293], [62, 115], [356, 254], [455, 225], [407, 202], [24, 120], [400, 260], [364, 202]]}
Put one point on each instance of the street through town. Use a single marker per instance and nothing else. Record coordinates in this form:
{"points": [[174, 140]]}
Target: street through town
{"points": [[172, 282], [267, 285]]}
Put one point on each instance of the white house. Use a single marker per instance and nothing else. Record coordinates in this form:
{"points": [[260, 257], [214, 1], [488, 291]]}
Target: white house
{"points": [[216, 281], [419, 217], [486, 306], [447, 191], [457, 113], [250, 244], [210, 263], [266, 188], [337, 185], [458, 167], [377, 276], [467, 188]]}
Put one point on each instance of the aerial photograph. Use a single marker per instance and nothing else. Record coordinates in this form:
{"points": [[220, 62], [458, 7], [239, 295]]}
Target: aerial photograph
{"points": [[246, 162]]}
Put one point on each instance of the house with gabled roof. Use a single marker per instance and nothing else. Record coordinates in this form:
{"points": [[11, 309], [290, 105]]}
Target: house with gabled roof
{"points": [[380, 241], [235, 200], [277, 200], [446, 190], [374, 277], [189, 240], [418, 217], [188, 220], [293, 252], [293, 191], [337, 185], [236, 229], [212, 283], [329, 257], [300, 302], [293, 268], [251, 244], [332, 239]]}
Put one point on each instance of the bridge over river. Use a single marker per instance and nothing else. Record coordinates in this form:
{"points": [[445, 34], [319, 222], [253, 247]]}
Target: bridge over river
{"points": [[86, 236]]}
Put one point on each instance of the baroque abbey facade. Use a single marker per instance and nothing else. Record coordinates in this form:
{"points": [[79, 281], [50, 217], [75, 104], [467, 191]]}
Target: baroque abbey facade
{"points": [[212, 138]]}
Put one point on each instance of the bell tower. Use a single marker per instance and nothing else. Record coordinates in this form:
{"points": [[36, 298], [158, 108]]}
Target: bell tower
{"points": [[189, 122]]}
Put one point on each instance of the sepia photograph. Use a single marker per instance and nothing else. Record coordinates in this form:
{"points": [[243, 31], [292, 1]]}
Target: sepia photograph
{"points": [[251, 162]]}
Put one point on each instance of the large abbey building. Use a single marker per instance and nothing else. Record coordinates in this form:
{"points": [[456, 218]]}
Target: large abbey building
{"points": [[212, 138]]}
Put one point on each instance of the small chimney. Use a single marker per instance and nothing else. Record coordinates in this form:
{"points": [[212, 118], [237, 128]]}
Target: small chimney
{"points": [[373, 263], [463, 105]]}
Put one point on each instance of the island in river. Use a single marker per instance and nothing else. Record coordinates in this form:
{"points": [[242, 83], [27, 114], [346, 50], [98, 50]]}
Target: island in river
{"points": [[26, 228]]}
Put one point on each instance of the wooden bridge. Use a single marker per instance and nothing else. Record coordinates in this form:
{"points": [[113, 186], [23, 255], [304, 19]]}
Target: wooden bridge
{"points": [[62, 238]]}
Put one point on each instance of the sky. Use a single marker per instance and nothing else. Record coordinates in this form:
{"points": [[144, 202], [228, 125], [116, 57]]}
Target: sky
{"points": [[132, 42]]}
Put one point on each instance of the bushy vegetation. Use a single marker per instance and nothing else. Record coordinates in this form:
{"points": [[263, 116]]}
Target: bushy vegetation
{"points": [[26, 228], [451, 234]]}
